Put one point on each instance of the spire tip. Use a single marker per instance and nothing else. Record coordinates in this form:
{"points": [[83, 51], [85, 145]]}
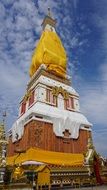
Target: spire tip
{"points": [[49, 12]]}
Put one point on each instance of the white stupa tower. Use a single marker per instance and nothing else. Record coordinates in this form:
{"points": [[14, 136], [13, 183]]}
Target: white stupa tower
{"points": [[49, 113]]}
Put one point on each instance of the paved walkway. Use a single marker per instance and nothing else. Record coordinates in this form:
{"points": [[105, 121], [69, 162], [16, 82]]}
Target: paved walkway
{"points": [[90, 188], [82, 188]]}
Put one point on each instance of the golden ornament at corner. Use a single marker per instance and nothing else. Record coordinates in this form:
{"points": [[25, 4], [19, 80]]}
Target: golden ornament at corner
{"points": [[3, 144], [56, 90], [50, 52], [18, 172], [27, 96]]}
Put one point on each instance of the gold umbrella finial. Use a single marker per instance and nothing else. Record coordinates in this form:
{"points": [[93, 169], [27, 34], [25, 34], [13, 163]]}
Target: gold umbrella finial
{"points": [[49, 12], [4, 116]]}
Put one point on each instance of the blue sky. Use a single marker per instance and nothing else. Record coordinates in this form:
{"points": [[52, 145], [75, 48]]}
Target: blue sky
{"points": [[82, 26]]}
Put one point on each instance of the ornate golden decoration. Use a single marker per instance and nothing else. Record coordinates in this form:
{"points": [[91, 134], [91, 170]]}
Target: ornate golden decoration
{"points": [[3, 144], [18, 172], [57, 90], [91, 147], [27, 96]]}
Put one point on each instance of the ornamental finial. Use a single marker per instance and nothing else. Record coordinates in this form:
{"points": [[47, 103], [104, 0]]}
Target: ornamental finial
{"points": [[49, 12], [4, 116]]}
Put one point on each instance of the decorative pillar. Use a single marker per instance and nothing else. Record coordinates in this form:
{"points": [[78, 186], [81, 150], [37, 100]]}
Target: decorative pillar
{"points": [[3, 146]]}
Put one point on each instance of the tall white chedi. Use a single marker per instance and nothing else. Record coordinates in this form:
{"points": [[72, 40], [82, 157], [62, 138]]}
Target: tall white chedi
{"points": [[49, 95]]}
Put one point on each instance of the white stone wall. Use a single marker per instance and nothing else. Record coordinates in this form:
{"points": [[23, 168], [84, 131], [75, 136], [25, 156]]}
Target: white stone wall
{"points": [[76, 105], [60, 102], [50, 28], [41, 93], [40, 87]]}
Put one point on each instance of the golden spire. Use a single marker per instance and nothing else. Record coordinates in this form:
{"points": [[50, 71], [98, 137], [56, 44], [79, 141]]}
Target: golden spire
{"points": [[49, 50]]}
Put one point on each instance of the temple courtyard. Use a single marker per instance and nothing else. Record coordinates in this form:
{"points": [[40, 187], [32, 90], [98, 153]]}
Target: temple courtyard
{"points": [[81, 188], [91, 188]]}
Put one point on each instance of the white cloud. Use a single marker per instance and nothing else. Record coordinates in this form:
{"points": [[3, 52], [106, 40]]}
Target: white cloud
{"points": [[2, 12], [74, 42], [94, 103]]}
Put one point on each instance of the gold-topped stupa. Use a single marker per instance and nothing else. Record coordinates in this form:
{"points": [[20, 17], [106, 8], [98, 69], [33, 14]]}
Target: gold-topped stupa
{"points": [[49, 50], [3, 145], [51, 137]]}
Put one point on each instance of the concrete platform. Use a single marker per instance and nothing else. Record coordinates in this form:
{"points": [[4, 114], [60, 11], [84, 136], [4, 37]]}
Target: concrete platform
{"points": [[93, 188]]}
